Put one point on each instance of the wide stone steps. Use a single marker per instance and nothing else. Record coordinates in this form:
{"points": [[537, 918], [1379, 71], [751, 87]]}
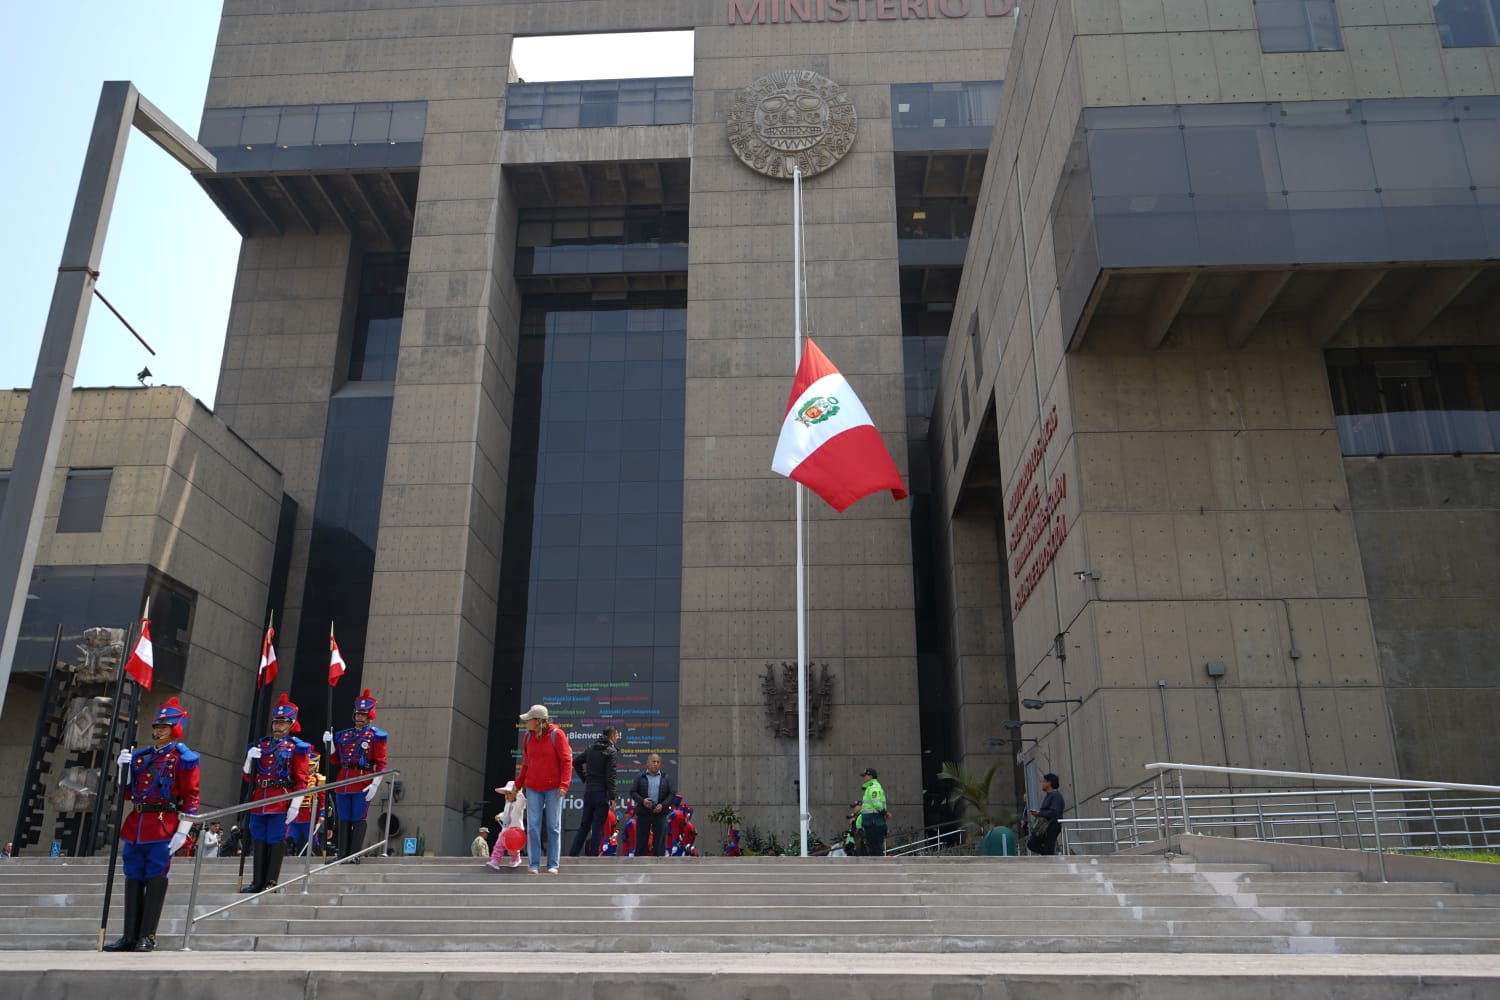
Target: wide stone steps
{"points": [[765, 905]]}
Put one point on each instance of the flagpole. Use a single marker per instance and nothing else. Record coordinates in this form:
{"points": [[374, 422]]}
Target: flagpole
{"points": [[331, 683], [802, 812]]}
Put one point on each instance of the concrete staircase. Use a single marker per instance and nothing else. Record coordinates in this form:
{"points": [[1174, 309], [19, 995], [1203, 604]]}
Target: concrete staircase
{"points": [[754, 906]]}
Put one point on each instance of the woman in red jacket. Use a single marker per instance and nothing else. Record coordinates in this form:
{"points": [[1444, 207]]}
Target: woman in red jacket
{"points": [[546, 768]]}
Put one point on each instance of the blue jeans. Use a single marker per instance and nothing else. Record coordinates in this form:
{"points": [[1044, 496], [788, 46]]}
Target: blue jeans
{"points": [[543, 810]]}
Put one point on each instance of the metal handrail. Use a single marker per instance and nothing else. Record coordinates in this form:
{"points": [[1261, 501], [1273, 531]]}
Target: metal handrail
{"points": [[306, 877], [1316, 808], [958, 831]]}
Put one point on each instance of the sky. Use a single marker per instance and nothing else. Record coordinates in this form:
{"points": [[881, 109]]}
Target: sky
{"points": [[169, 256]]}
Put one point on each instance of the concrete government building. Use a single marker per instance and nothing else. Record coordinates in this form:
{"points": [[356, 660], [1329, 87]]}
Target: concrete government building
{"points": [[1180, 317]]}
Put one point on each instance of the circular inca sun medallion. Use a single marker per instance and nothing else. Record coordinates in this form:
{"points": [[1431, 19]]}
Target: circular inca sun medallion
{"points": [[792, 117]]}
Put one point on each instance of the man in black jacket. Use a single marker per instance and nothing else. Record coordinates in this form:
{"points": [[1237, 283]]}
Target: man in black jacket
{"points": [[651, 793], [1048, 817], [598, 792]]}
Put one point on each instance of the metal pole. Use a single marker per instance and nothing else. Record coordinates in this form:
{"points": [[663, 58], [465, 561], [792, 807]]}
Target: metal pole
{"points": [[803, 816], [1187, 823], [187, 924], [1375, 822], [390, 799], [57, 361]]}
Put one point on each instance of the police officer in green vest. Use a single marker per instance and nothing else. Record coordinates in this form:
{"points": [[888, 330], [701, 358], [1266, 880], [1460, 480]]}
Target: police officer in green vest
{"points": [[872, 813]]}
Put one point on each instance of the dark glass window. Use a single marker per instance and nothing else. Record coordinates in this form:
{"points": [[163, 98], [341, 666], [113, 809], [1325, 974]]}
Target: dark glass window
{"points": [[84, 497], [591, 569], [4, 486], [664, 100], [923, 361], [1465, 23], [377, 323], [946, 105], [602, 240], [1416, 402], [1298, 26]]}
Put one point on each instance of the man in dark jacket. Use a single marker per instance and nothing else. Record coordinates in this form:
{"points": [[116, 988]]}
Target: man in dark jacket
{"points": [[1044, 840], [598, 792], [651, 793]]}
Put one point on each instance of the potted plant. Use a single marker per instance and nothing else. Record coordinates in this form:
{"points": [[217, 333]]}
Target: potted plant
{"points": [[971, 790]]}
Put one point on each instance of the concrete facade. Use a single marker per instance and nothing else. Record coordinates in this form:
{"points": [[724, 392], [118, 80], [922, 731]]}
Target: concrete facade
{"points": [[189, 499], [1210, 516]]}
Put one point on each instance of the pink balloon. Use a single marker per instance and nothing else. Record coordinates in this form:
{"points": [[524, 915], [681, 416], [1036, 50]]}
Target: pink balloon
{"points": [[513, 839]]}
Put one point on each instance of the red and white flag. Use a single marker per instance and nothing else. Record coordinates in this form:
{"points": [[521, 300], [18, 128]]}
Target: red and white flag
{"points": [[828, 442], [267, 660], [336, 666], [140, 665]]}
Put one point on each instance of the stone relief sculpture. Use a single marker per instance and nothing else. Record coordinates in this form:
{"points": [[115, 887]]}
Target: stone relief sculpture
{"points": [[792, 117], [781, 699]]}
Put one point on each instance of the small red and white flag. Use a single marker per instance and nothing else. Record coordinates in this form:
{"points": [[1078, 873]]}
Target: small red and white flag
{"points": [[828, 441], [336, 665], [267, 660], [140, 665]]}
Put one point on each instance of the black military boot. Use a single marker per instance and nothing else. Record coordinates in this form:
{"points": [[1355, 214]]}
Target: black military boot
{"points": [[156, 896], [134, 900], [258, 865], [357, 838], [275, 855]]}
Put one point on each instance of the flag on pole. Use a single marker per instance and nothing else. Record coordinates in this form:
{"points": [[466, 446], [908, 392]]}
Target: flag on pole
{"points": [[140, 664], [828, 442], [335, 660], [267, 660]]}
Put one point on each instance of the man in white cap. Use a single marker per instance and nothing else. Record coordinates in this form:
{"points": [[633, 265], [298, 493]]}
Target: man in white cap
{"points": [[481, 847], [546, 769]]}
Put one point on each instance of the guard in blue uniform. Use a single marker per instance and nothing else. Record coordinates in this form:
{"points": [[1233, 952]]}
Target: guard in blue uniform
{"points": [[162, 782], [356, 751], [274, 766]]}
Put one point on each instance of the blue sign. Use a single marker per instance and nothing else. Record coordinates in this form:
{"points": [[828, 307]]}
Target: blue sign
{"points": [[409, 846], [56, 851]]}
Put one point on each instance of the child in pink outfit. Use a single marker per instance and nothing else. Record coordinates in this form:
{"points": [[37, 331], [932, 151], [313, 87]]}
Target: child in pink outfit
{"points": [[512, 816]]}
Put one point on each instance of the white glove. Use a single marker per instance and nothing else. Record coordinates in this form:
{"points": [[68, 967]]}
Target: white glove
{"points": [[126, 756], [251, 756], [180, 837], [293, 808], [373, 790], [328, 737]]}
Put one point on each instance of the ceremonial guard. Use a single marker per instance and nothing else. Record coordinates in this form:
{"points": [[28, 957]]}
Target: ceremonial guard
{"points": [[274, 766], [312, 811], [162, 783], [356, 751]]}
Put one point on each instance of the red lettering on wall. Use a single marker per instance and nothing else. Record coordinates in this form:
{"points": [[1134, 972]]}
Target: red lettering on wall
{"points": [[838, 11], [1039, 527]]}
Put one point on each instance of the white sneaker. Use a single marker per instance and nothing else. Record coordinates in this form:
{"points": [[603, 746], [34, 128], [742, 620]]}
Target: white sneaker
{"points": [[531, 871], [514, 864], [552, 871], [492, 864]]}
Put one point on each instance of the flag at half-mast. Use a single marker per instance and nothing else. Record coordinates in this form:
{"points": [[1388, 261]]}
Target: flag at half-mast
{"points": [[828, 442], [267, 660], [335, 660], [141, 663]]}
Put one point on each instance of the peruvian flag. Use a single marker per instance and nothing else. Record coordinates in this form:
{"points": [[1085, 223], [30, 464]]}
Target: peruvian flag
{"points": [[140, 665], [828, 442], [267, 660], [336, 666]]}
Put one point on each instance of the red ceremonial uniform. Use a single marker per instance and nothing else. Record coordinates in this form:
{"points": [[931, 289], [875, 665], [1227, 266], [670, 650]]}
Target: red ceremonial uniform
{"points": [[282, 768], [162, 783], [357, 751]]}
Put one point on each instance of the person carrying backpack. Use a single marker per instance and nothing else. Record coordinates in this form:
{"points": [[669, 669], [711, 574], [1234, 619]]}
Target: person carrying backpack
{"points": [[596, 768]]}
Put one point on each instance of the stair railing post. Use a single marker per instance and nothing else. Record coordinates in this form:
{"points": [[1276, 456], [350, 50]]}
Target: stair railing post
{"points": [[187, 923], [1375, 822], [390, 799], [1187, 823]]}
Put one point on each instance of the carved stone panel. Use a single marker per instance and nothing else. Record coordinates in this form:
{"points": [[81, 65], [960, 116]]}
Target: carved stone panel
{"points": [[792, 117]]}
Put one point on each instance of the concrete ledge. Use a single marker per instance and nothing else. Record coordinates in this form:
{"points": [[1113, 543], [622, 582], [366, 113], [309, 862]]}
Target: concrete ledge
{"points": [[1467, 876], [334, 976]]}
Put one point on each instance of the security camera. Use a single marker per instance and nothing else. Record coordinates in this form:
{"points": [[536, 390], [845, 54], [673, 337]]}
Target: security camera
{"points": [[1032, 703]]}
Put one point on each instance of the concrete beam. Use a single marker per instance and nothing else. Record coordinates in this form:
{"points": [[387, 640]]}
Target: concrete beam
{"points": [[1345, 294], [331, 204], [1257, 294], [294, 200], [1430, 298], [259, 204], [1171, 292]]}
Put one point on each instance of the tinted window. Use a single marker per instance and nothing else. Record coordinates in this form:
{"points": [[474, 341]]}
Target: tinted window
{"points": [[1297, 26], [1416, 402], [84, 497], [1463, 23]]}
